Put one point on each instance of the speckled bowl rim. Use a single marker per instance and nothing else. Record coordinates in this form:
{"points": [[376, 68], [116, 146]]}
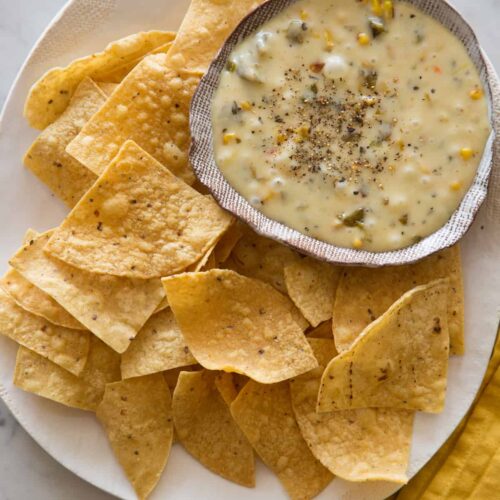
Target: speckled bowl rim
{"points": [[201, 153]]}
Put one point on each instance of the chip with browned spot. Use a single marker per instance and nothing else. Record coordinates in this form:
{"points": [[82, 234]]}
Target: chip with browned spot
{"points": [[357, 445], [399, 361], [365, 293]]}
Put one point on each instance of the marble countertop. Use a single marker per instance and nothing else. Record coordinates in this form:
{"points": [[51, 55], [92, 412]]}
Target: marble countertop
{"points": [[26, 471]]}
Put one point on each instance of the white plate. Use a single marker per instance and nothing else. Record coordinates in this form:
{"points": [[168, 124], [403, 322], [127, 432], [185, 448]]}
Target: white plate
{"points": [[73, 437]]}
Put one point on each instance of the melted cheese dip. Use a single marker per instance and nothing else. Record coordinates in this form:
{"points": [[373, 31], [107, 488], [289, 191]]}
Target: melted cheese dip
{"points": [[360, 124]]}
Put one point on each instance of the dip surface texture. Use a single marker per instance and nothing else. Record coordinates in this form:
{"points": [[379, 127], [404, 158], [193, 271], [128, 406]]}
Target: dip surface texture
{"points": [[355, 123]]}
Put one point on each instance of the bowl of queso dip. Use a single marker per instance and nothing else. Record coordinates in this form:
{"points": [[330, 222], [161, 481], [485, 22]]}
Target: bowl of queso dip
{"points": [[356, 125]]}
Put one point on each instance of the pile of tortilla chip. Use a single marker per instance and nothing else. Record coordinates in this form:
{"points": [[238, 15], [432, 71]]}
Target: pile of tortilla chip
{"points": [[153, 308]]}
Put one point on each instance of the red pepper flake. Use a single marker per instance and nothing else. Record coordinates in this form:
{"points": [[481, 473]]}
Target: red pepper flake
{"points": [[317, 67], [437, 70]]}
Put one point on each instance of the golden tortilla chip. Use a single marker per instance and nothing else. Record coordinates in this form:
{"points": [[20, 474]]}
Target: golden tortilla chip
{"points": [[50, 95], [238, 324], [365, 293], [35, 301], [112, 308], [63, 346], [159, 346], [357, 445], [204, 29], [264, 413], [40, 376], [227, 243], [162, 305], [312, 284], [203, 262], [120, 73], [107, 88], [66, 177], [261, 258], [399, 361], [226, 386], [151, 107], [138, 220], [137, 416], [206, 429], [322, 331], [171, 376]]}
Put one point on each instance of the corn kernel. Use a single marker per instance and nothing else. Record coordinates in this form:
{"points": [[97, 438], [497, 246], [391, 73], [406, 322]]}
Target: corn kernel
{"points": [[376, 7], [476, 94], [466, 153], [270, 195], [304, 15], [280, 139], [229, 137], [363, 39], [455, 186], [357, 243], [302, 133], [388, 8], [246, 106], [329, 40], [425, 169]]}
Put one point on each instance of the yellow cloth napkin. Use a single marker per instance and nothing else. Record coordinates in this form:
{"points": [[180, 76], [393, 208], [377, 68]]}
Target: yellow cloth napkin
{"points": [[468, 465]]}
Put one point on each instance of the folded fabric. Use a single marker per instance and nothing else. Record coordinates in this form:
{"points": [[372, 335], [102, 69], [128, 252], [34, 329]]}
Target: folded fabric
{"points": [[468, 464]]}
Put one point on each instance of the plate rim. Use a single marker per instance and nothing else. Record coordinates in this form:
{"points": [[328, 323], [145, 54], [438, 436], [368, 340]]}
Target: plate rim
{"points": [[4, 393]]}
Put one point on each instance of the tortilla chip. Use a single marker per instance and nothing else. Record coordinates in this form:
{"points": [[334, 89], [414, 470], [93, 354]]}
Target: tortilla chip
{"points": [[40, 376], [356, 445], [399, 361], [63, 346], [365, 293], [112, 308], [35, 301], [203, 262], [50, 95], [261, 258], [226, 386], [162, 305], [312, 284], [159, 346], [137, 416], [204, 29], [227, 243], [322, 331], [151, 107], [138, 220], [264, 413], [238, 324], [206, 429], [171, 376], [66, 177], [107, 88], [120, 73]]}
